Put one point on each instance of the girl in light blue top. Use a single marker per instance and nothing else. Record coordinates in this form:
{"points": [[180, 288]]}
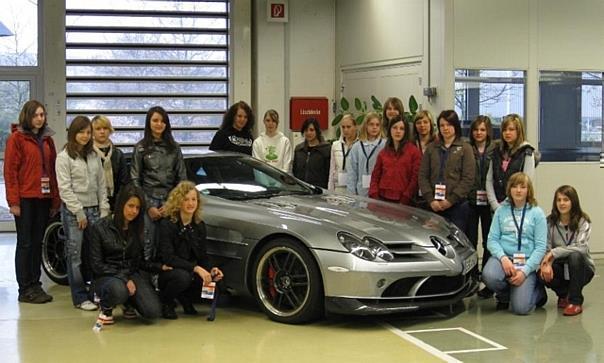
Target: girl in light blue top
{"points": [[517, 242], [363, 155]]}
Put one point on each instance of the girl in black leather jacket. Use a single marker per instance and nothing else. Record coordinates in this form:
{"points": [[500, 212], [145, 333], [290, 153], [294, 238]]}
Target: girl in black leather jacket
{"points": [[182, 246], [157, 166], [116, 258]]}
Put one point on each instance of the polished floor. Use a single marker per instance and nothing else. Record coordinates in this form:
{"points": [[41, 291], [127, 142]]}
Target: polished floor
{"points": [[472, 332]]}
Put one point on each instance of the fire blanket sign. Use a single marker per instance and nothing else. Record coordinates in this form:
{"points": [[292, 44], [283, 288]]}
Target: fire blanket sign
{"points": [[302, 108]]}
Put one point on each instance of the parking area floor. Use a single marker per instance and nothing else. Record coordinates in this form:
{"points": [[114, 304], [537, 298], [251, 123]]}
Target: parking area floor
{"points": [[472, 332]]}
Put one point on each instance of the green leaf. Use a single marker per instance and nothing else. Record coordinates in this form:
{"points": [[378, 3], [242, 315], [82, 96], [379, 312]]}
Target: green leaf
{"points": [[344, 103], [412, 105], [357, 104], [338, 132], [359, 119], [336, 120], [408, 117], [364, 106], [376, 104]]}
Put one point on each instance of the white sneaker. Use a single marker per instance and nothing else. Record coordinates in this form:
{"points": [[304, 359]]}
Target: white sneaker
{"points": [[87, 306]]}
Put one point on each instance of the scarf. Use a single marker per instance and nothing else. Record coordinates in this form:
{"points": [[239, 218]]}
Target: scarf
{"points": [[107, 167]]}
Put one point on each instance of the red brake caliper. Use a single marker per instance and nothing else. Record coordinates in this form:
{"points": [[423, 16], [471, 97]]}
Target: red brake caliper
{"points": [[271, 281]]}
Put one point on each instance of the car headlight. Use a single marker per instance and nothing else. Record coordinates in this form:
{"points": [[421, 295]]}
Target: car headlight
{"points": [[368, 248]]}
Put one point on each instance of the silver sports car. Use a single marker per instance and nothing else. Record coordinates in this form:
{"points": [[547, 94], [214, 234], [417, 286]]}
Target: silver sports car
{"points": [[301, 251]]}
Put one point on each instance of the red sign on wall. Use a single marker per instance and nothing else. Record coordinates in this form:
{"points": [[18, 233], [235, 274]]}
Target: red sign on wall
{"points": [[301, 108]]}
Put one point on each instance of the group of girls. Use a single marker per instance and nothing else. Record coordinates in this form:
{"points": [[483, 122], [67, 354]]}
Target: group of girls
{"points": [[124, 211], [109, 214]]}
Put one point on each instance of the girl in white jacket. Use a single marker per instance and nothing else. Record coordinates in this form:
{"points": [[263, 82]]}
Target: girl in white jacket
{"points": [[82, 189], [340, 151], [272, 146]]}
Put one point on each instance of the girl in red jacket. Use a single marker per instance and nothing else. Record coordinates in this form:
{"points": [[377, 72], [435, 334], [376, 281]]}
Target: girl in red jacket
{"points": [[394, 176], [32, 194]]}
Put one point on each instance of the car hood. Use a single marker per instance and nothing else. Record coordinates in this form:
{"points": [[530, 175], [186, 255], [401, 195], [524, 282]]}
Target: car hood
{"points": [[388, 222]]}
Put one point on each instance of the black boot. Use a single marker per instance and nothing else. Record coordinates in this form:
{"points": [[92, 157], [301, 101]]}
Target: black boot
{"points": [[167, 311], [187, 305]]}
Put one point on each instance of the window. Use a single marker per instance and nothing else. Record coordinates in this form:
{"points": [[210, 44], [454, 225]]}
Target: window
{"points": [[493, 93], [571, 112], [123, 57]]}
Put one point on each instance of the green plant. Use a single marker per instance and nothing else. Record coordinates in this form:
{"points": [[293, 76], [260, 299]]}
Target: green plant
{"points": [[361, 110]]}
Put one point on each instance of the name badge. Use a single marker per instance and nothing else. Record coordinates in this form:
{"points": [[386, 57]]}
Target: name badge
{"points": [[45, 183], [481, 197], [519, 260], [440, 190], [342, 179], [207, 291], [366, 181]]}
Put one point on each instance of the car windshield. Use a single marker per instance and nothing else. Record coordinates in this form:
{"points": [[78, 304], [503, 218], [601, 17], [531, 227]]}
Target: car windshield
{"points": [[242, 177]]}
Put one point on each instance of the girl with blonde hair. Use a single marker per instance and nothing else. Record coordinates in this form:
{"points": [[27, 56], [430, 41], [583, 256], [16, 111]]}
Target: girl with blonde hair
{"points": [[340, 151], [182, 236], [363, 155]]}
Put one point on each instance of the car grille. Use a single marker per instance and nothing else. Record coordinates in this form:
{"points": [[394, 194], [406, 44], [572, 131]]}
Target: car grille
{"points": [[408, 251], [433, 285]]}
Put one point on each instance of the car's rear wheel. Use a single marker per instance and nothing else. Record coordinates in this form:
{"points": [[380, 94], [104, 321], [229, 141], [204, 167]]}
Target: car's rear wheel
{"points": [[287, 282], [53, 253]]}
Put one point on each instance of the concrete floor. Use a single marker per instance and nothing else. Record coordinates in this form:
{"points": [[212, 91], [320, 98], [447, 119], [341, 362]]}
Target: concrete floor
{"points": [[473, 332]]}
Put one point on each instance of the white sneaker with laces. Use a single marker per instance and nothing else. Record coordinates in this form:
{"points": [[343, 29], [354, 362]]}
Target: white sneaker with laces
{"points": [[87, 306]]}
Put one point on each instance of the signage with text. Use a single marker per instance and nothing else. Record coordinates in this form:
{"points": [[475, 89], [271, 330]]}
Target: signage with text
{"points": [[301, 108]]}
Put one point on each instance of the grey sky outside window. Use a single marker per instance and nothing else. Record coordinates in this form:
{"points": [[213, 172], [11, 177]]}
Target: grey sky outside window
{"points": [[123, 57]]}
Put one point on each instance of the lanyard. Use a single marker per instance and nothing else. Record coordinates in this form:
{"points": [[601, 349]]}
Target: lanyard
{"points": [[519, 229], [444, 156], [565, 238], [345, 155], [40, 142], [370, 154]]}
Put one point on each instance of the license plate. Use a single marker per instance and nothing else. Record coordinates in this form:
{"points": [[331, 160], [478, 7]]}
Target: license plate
{"points": [[469, 263]]}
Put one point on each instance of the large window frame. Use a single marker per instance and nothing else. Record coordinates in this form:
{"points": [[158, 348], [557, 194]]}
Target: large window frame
{"points": [[199, 123], [563, 100], [470, 84]]}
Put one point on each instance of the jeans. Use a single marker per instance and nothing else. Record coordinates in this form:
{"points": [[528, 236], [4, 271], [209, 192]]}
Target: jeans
{"points": [[580, 275], [523, 298], [480, 213], [73, 251], [178, 283], [150, 244], [457, 214], [113, 291], [30, 231]]}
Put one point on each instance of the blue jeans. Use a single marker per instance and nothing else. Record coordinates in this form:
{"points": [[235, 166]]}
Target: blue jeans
{"points": [[113, 291], [73, 251], [523, 298], [150, 247]]}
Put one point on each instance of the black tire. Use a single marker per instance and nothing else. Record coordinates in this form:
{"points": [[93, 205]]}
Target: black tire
{"points": [[287, 283], [53, 253]]}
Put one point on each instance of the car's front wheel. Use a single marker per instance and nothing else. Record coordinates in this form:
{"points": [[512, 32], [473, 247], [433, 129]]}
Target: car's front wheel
{"points": [[53, 253], [287, 282]]}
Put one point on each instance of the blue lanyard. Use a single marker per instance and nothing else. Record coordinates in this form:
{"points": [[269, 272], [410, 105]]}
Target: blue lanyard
{"points": [[370, 154], [565, 239], [519, 229], [444, 156]]}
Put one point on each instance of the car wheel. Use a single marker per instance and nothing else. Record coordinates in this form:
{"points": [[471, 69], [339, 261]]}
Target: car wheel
{"points": [[53, 253], [287, 282]]}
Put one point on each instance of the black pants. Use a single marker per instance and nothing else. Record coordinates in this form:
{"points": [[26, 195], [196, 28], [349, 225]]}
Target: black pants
{"points": [[178, 283], [580, 275], [458, 215], [480, 213], [31, 225], [113, 291]]}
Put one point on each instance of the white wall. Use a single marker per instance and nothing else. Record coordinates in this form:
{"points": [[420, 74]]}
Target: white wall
{"points": [[293, 59], [533, 36]]}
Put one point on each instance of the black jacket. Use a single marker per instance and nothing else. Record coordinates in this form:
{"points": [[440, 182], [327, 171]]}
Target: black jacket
{"points": [[231, 139], [516, 164], [156, 169], [183, 247], [311, 164], [112, 255]]}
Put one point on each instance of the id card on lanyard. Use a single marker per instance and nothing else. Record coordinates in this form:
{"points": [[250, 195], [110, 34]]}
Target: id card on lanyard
{"points": [[440, 188], [366, 177], [519, 258]]}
